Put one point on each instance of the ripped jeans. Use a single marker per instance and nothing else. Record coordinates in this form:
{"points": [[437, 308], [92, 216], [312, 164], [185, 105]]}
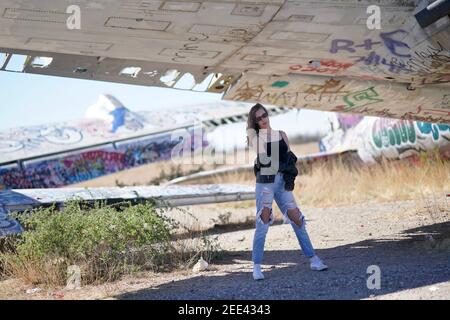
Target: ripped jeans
{"points": [[265, 193]]}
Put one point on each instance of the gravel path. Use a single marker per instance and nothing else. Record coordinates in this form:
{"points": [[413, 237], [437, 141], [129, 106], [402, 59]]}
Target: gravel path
{"points": [[392, 236]]}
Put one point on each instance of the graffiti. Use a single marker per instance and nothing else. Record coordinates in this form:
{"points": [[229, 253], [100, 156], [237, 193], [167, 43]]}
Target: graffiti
{"points": [[330, 86], [10, 146], [72, 169], [376, 138], [138, 154], [347, 121], [323, 66], [60, 172], [392, 44], [389, 42], [428, 115], [374, 59], [384, 113], [247, 93], [390, 100], [63, 135], [445, 103], [436, 112], [330, 90], [387, 133], [430, 58], [39, 135], [349, 46], [361, 98], [200, 37], [280, 84], [435, 129], [371, 58], [396, 139]]}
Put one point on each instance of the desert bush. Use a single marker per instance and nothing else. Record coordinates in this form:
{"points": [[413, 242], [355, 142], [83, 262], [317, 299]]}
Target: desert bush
{"points": [[104, 241]]}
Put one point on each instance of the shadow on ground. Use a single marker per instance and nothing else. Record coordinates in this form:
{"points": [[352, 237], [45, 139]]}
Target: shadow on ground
{"points": [[405, 263]]}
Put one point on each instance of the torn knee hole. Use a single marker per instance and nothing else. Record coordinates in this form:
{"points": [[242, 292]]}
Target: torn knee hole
{"points": [[295, 215], [265, 214]]}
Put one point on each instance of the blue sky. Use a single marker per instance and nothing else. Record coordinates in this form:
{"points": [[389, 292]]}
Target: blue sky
{"points": [[28, 99]]}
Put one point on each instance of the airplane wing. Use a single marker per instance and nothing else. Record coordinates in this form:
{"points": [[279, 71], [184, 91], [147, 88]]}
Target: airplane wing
{"points": [[111, 138], [19, 200], [106, 124], [326, 55]]}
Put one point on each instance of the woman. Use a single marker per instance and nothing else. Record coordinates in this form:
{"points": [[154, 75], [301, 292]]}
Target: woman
{"points": [[270, 185]]}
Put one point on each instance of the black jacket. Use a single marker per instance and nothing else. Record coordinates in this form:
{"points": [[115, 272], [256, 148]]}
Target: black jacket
{"points": [[287, 168]]}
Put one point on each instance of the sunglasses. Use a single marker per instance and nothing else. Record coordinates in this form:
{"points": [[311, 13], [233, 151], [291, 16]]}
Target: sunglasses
{"points": [[263, 116]]}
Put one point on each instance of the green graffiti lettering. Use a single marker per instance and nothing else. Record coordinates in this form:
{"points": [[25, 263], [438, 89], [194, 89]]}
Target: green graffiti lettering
{"points": [[376, 137], [411, 132], [395, 135], [391, 137], [404, 133], [444, 127], [280, 84], [427, 128], [398, 139]]}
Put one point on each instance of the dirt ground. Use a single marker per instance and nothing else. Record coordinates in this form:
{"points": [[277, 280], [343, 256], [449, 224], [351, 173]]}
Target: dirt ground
{"points": [[409, 242]]}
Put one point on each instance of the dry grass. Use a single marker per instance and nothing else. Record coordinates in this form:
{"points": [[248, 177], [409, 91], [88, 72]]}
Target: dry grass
{"points": [[336, 183]]}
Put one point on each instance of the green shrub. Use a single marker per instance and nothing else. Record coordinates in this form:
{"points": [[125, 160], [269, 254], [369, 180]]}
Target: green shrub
{"points": [[104, 241]]}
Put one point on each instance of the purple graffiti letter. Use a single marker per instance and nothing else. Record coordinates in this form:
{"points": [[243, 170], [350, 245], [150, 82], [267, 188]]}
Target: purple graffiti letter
{"points": [[341, 44], [392, 44]]}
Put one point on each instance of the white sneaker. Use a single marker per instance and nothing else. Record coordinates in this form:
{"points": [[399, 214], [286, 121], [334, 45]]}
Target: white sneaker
{"points": [[317, 264], [257, 273]]}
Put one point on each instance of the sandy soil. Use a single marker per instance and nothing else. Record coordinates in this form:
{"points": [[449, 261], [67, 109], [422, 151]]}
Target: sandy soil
{"points": [[395, 236]]}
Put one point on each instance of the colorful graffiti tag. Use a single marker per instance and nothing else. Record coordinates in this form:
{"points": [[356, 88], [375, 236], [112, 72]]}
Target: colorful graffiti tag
{"points": [[57, 135], [379, 99], [322, 66], [361, 98], [398, 58], [386, 133], [429, 58], [376, 138], [401, 138], [389, 41], [87, 165]]}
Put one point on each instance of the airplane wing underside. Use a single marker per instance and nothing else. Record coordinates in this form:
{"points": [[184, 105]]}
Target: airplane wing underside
{"points": [[302, 54]]}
